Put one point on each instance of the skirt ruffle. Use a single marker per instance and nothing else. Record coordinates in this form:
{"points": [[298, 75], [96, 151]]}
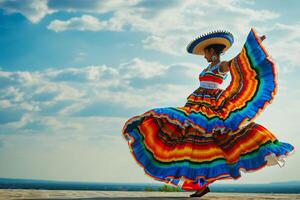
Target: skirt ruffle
{"points": [[192, 160]]}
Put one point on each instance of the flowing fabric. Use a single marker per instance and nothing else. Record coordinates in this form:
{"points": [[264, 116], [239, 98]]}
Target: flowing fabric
{"points": [[213, 136]]}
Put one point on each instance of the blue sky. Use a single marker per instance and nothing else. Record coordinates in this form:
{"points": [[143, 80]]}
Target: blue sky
{"points": [[72, 73]]}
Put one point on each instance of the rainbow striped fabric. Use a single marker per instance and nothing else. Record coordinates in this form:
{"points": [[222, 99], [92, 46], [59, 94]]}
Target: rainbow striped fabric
{"points": [[213, 136]]}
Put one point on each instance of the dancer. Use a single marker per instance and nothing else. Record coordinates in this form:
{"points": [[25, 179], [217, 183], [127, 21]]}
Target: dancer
{"points": [[213, 136]]}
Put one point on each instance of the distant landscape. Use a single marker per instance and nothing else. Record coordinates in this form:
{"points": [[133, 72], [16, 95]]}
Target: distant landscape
{"points": [[291, 187]]}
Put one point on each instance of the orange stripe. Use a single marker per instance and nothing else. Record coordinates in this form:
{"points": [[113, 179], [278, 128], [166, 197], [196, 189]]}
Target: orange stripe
{"points": [[200, 153], [185, 151]]}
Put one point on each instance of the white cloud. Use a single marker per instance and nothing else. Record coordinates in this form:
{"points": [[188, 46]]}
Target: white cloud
{"points": [[167, 44], [170, 29], [34, 10], [90, 6], [170, 25], [85, 23], [29, 97], [5, 103], [141, 69], [253, 14], [284, 45]]}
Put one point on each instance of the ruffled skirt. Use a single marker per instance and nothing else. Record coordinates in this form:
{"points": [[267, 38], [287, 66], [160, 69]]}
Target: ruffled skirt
{"points": [[213, 136]]}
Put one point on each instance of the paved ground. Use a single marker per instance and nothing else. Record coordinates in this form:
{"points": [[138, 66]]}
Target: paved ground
{"points": [[116, 195]]}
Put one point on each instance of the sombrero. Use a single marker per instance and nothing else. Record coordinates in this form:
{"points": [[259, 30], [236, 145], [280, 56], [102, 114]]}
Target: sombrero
{"points": [[197, 45]]}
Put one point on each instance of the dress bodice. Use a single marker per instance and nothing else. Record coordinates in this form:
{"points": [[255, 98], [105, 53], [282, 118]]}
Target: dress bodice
{"points": [[211, 77]]}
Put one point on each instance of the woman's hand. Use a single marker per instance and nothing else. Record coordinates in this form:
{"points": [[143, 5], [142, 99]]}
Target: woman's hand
{"points": [[261, 38]]}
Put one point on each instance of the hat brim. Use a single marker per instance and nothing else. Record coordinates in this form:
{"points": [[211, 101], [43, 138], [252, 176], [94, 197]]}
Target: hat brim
{"points": [[199, 48], [198, 45]]}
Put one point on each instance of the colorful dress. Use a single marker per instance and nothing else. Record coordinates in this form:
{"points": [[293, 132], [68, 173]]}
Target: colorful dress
{"points": [[213, 136]]}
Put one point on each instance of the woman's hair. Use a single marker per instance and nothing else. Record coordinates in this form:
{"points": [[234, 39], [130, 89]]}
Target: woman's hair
{"points": [[218, 48]]}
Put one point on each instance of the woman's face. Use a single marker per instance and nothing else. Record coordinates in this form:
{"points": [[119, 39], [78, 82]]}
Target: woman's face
{"points": [[208, 53]]}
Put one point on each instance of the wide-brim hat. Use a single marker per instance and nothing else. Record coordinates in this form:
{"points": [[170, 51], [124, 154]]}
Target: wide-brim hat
{"points": [[198, 45]]}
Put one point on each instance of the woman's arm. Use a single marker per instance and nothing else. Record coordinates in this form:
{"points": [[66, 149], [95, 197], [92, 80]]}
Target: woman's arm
{"points": [[224, 66]]}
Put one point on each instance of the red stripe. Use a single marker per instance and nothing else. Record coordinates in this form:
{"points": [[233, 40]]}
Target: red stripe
{"points": [[211, 79]]}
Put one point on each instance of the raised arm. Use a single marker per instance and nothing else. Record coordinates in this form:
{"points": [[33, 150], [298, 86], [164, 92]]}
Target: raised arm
{"points": [[224, 66]]}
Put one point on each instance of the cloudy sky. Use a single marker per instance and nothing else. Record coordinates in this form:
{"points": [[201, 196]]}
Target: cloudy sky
{"points": [[72, 73]]}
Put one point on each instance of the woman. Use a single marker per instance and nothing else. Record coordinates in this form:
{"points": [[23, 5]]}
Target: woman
{"points": [[213, 136]]}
